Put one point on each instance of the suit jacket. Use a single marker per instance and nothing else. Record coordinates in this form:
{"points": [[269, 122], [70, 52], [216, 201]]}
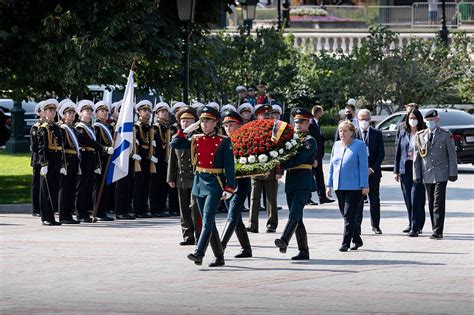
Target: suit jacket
{"points": [[316, 132], [376, 151], [440, 161]]}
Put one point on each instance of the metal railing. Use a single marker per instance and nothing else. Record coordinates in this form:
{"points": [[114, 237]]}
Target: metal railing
{"points": [[416, 15]]}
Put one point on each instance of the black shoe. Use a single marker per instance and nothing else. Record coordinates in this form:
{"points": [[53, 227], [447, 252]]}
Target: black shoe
{"points": [[377, 230], [158, 214], [279, 208], [271, 229], [245, 253], [251, 230], [407, 229], [51, 223], [311, 203], [356, 246], [174, 214], [143, 216], [124, 217], [281, 244], [196, 257], [106, 218], [302, 255], [436, 237], [245, 209], [420, 232], [343, 248], [36, 214], [325, 200], [86, 220], [70, 221], [166, 214], [187, 242], [263, 209], [219, 262], [413, 234]]}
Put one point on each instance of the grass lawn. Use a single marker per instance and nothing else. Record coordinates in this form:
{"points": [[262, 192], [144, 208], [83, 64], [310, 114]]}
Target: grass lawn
{"points": [[15, 178]]}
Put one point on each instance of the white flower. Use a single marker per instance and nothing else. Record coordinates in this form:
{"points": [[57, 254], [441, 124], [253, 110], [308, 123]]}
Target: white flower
{"points": [[273, 154], [280, 151], [293, 142], [262, 158], [295, 135], [252, 159], [243, 160], [288, 145]]}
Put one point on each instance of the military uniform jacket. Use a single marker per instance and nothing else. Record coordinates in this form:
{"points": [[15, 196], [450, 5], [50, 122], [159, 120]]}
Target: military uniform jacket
{"points": [[143, 140], [71, 142], [213, 159], [436, 161], [34, 144], [162, 136], [180, 168], [50, 143], [87, 139], [299, 175], [104, 134]]}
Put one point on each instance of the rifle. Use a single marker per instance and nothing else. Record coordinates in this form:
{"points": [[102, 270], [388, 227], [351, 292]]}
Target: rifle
{"points": [[152, 138]]}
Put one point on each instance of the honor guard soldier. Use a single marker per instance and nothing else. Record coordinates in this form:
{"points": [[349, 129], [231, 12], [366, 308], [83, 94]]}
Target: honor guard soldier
{"points": [[231, 121], [251, 91], [35, 182], [104, 135], [181, 176], [262, 98], [299, 185], [214, 180], [435, 163], [123, 186], [162, 135], [197, 105], [89, 165], [268, 184], [72, 155], [246, 111], [242, 93], [50, 152], [146, 164]]}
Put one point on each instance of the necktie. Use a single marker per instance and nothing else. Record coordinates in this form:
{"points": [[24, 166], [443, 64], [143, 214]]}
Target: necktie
{"points": [[430, 137], [365, 136]]}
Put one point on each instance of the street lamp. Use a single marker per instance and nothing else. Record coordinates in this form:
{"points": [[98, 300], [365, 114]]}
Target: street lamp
{"points": [[186, 15], [249, 8], [443, 32]]}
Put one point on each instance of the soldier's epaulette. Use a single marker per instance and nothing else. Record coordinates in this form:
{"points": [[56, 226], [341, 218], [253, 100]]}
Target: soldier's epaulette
{"points": [[44, 124], [198, 135], [138, 123], [444, 129], [223, 136]]}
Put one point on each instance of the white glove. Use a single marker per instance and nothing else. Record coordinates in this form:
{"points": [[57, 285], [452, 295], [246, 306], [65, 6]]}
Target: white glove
{"points": [[153, 143], [136, 157], [98, 171], [63, 171], [110, 150], [226, 195], [153, 159], [193, 127], [44, 170], [138, 142]]}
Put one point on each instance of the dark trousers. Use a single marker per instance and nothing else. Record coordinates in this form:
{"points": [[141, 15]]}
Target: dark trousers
{"points": [[173, 200], [49, 187], [296, 202], [67, 188], [319, 177], [189, 213], [374, 198], [349, 204], [271, 190], [158, 189], [235, 205], [415, 198], [35, 189], [85, 185], [141, 185], [208, 206], [437, 204], [123, 188], [107, 197]]}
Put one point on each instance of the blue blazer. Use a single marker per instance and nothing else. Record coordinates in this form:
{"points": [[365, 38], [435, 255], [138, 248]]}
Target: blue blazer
{"points": [[349, 169]]}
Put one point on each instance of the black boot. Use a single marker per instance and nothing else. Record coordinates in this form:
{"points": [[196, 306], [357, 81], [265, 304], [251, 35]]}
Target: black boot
{"points": [[282, 242], [216, 246], [244, 241], [227, 233], [302, 239], [201, 248]]}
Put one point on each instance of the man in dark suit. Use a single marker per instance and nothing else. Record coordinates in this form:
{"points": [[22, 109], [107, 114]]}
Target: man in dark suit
{"points": [[316, 132], [376, 153]]}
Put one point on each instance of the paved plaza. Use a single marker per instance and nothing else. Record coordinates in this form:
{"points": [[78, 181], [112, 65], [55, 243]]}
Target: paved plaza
{"points": [[131, 267]]}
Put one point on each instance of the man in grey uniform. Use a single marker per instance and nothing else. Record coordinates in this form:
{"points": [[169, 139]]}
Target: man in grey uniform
{"points": [[435, 163]]}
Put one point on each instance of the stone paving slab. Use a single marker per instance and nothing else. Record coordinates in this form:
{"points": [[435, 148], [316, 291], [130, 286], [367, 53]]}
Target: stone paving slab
{"points": [[134, 267]]}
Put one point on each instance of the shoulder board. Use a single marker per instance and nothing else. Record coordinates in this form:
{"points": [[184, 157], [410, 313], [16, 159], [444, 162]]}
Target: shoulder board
{"points": [[223, 136], [199, 135], [44, 124], [444, 129], [37, 124], [138, 123]]}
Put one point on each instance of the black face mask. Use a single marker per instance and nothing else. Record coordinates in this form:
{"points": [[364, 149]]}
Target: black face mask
{"points": [[349, 116]]}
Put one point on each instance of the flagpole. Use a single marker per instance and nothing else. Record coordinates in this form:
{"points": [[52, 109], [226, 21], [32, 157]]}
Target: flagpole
{"points": [[104, 175]]}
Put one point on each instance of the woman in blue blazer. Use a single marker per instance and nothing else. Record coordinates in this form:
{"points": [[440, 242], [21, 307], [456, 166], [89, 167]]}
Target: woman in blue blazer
{"points": [[413, 193], [349, 178]]}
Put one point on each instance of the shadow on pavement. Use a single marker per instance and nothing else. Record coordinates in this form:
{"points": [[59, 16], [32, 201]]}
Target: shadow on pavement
{"points": [[410, 252]]}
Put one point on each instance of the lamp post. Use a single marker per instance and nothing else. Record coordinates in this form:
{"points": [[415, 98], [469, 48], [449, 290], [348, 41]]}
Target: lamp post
{"points": [[17, 142], [443, 32], [248, 10], [279, 14], [186, 16]]}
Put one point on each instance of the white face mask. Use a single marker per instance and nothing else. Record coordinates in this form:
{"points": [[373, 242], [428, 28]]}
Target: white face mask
{"points": [[413, 122], [364, 124]]}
